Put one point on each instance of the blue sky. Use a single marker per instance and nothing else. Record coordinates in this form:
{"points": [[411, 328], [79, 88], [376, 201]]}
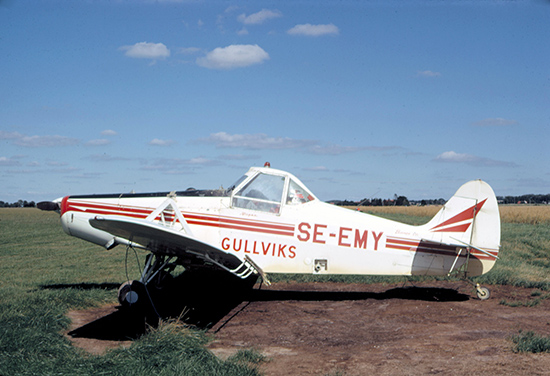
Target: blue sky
{"points": [[356, 98]]}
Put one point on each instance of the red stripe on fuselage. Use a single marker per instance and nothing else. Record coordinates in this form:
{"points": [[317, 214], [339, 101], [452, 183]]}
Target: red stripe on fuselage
{"points": [[191, 218], [435, 249]]}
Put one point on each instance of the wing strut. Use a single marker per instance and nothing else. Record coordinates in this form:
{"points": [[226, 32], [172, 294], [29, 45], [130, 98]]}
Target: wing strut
{"points": [[243, 271], [167, 218]]}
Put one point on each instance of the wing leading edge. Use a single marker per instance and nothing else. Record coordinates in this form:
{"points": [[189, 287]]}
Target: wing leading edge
{"points": [[162, 240]]}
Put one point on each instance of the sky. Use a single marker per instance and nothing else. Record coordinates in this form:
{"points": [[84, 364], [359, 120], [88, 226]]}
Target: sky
{"points": [[358, 99]]}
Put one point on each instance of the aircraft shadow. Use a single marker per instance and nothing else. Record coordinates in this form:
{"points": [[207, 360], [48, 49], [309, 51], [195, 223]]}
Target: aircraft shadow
{"points": [[430, 294], [204, 299], [82, 286]]}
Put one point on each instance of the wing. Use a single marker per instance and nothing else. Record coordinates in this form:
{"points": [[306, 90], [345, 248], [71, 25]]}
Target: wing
{"points": [[160, 239]]}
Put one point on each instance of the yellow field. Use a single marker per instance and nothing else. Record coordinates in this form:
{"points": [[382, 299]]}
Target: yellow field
{"points": [[531, 214]]}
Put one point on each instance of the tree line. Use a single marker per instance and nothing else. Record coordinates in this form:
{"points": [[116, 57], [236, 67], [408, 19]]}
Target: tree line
{"points": [[18, 204], [396, 201], [524, 199], [403, 201]]}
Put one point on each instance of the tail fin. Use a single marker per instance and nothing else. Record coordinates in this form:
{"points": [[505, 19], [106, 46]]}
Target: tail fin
{"points": [[470, 217]]}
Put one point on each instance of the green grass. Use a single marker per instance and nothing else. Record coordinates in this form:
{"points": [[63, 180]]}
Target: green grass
{"points": [[44, 273], [530, 342]]}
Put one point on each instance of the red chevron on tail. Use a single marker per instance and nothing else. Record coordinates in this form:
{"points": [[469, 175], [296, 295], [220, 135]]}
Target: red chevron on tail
{"points": [[466, 215]]}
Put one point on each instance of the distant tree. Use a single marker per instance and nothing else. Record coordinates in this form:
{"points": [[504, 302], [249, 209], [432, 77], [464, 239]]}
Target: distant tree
{"points": [[402, 201], [376, 202]]}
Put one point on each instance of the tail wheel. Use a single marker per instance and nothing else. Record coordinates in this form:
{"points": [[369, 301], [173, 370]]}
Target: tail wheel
{"points": [[130, 293], [483, 293]]}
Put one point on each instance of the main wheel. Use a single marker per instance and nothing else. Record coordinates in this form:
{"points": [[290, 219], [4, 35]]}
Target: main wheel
{"points": [[483, 293], [130, 293]]}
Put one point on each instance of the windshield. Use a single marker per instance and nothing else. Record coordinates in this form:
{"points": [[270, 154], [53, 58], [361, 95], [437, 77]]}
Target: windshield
{"points": [[263, 193]]}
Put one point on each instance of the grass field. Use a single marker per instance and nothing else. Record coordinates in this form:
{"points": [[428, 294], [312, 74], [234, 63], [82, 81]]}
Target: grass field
{"points": [[45, 273]]}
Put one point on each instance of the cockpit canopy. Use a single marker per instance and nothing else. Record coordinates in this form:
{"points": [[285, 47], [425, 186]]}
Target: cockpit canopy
{"points": [[267, 190]]}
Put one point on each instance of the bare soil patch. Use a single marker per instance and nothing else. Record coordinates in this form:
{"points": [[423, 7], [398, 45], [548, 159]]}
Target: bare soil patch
{"points": [[355, 329]]}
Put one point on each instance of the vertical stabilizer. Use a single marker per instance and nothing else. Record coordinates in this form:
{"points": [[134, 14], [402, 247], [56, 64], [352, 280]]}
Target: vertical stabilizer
{"points": [[471, 217]]}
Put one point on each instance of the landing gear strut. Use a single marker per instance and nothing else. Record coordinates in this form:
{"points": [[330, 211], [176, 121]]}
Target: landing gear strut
{"points": [[155, 273]]}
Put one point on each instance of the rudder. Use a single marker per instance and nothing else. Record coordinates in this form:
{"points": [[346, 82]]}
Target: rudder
{"points": [[471, 217]]}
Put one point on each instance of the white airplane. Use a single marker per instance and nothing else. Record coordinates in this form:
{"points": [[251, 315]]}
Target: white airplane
{"points": [[269, 222]]}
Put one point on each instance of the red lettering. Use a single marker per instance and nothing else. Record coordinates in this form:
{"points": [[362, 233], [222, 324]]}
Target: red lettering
{"points": [[376, 239], [254, 249], [272, 249], [281, 250], [235, 245], [317, 233], [305, 233], [225, 245], [342, 237], [361, 241], [291, 251]]}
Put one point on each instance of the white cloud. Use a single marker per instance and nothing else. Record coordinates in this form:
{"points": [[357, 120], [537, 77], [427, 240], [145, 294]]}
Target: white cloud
{"points": [[255, 141], [201, 161], [495, 122], [5, 161], [453, 157], [56, 164], [261, 141], [38, 141], [159, 142], [178, 165], [314, 30], [108, 132], [233, 56], [105, 158], [333, 149], [10, 135], [316, 169], [145, 50], [45, 141], [98, 142], [259, 17], [428, 73], [237, 157]]}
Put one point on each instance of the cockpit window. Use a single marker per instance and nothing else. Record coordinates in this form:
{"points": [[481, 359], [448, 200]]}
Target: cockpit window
{"points": [[263, 193], [297, 194]]}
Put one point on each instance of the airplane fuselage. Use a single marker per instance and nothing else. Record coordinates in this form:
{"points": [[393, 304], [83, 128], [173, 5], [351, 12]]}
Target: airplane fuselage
{"points": [[313, 237]]}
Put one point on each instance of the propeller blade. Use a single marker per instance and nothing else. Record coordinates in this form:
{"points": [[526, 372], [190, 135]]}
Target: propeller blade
{"points": [[48, 206]]}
